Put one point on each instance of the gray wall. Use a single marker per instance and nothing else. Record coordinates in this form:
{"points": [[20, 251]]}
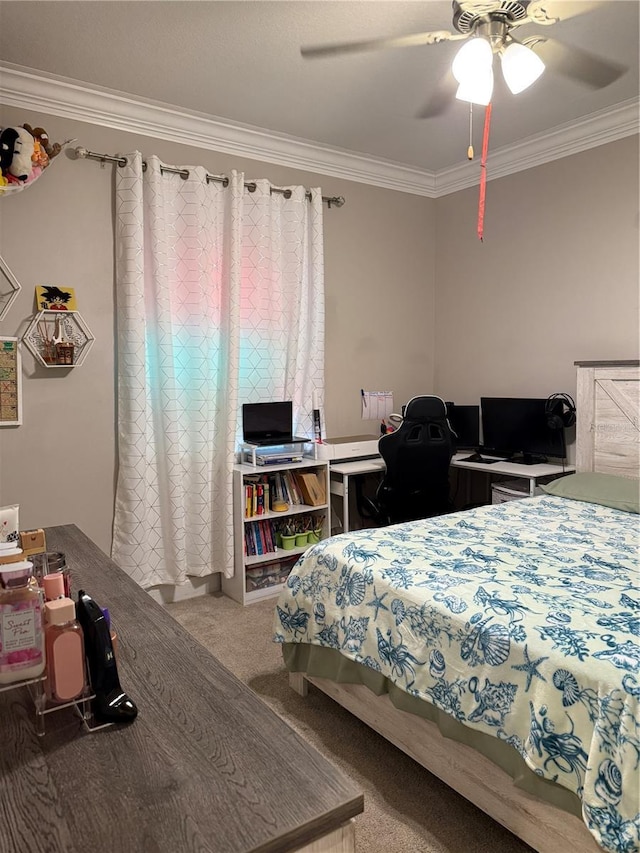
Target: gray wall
{"points": [[555, 281], [379, 271], [414, 302]]}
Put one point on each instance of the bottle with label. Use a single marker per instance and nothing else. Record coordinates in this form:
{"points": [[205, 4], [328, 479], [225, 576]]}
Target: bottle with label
{"points": [[64, 643], [21, 623]]}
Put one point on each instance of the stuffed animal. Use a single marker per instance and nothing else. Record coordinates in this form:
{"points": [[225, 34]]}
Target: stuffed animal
{"points": [[16, 151], [42, 136], [35, 173], [40, 157]]}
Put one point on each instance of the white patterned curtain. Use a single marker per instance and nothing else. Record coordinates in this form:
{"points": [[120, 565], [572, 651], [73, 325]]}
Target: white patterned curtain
{"points": [[220, 301]]}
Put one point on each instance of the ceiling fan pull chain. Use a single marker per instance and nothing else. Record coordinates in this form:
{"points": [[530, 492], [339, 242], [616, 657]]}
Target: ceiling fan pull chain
{"points": [[483, 172], [470, 148]]}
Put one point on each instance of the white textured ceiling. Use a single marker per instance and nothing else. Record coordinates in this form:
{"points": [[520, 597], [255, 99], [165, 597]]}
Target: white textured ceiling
{"points": [[241, 61]]}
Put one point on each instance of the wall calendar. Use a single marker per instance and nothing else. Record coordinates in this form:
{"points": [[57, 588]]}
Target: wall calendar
{"points": [[10, 383]]}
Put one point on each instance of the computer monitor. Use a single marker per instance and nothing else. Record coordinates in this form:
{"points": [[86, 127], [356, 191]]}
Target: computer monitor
{"points": [[465, 423], [517, 427]]}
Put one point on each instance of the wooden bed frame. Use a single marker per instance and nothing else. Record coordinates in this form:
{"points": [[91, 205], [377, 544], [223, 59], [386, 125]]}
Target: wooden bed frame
{"points": [[608, 428], [608, 441]]}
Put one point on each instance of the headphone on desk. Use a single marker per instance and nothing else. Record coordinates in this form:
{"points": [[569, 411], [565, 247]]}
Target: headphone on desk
{"points": [[560, 411]]}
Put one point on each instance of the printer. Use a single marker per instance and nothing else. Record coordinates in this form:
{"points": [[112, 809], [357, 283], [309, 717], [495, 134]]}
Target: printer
{"points": [[347, 447]]}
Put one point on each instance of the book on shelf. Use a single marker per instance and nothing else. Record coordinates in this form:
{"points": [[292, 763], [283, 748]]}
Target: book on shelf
{"points": [[283, 488], [294, 489], [257, 497], [292, 486], [278, 460], [259, 538]]}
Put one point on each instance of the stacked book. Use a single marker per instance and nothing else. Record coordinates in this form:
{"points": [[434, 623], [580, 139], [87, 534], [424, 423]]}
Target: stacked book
{"points": [[259, 538], [257, 498], [278, 458]]}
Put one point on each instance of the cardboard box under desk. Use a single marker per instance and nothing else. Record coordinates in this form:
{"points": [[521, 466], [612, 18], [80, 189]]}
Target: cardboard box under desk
{"points": [[311, 488]]}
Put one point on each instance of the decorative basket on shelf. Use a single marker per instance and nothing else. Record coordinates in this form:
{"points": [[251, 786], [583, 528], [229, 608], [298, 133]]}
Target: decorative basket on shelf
{"points": [[59, 338]]}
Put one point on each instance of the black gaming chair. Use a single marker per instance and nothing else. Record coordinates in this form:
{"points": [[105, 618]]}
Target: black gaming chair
{"points": [[417, 456]]}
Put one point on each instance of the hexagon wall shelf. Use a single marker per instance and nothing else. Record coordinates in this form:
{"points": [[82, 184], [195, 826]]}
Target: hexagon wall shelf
{"points": [[45, 329], [9, 289]]}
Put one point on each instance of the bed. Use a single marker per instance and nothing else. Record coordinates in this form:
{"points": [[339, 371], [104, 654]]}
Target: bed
{"points": [[500, 647]]}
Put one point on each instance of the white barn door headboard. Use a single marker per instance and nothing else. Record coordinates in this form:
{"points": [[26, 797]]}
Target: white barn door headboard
{"points": [[608, 417]]}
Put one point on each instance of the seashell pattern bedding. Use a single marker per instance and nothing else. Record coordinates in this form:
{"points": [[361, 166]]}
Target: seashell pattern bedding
{"points": [[521, 620]]}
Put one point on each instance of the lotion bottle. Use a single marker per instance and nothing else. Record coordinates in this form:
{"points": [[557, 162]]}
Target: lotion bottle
{"points": [[21, 627], [64, 643]]}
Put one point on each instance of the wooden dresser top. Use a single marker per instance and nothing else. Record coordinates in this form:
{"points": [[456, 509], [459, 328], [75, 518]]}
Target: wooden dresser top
{"points": [[207, 766]]}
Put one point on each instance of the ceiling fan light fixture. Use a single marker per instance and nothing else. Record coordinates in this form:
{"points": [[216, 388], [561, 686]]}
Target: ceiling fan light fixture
{"points": [[477, 89], [520, 67], [474, 57]]}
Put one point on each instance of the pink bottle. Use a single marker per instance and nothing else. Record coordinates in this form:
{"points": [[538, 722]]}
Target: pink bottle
{"points": [[53, 585], [64, 642], [21, 628]]}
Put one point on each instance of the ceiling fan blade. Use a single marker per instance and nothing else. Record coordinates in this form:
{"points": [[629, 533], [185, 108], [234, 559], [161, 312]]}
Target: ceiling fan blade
{"points": [[574, 62], [413, 40], [547, 12]]}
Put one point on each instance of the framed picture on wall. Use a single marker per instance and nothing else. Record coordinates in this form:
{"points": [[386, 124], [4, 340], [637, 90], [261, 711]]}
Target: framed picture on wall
{"points": [[10, 382], [50, 297]]}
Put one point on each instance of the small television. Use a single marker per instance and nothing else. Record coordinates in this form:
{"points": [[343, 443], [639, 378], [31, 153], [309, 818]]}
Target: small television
{"points": [[516, 427], [465, 424]]}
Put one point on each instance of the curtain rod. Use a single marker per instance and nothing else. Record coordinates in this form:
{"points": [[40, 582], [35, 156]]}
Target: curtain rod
{"points": [[83, 154]]}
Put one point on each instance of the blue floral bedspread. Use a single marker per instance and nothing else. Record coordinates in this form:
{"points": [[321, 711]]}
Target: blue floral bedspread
{"points": [[521, 620]]}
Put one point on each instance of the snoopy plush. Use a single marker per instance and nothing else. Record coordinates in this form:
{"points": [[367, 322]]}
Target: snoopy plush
{"points": [[16, 151]]}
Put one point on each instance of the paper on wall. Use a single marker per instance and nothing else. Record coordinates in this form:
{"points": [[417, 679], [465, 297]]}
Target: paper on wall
{"points": [[376, 405]]}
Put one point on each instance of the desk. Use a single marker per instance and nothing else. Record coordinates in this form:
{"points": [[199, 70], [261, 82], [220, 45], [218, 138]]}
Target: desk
{"points": [[518, 471], [207, 766], [341, 472]]}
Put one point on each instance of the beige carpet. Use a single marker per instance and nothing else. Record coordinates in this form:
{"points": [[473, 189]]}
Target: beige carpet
{"points": [[407, 810]]}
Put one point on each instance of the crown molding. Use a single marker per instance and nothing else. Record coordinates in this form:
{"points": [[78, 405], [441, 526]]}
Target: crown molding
{"points": [[601, 127], [30, 89], [25, 88]]}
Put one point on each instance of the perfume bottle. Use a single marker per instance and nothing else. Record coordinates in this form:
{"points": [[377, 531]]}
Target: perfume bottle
{"points": [[21, 624], [64, 644]]}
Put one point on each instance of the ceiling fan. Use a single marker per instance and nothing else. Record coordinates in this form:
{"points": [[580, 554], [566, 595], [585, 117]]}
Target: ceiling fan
{"points": [[487, 30]]}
